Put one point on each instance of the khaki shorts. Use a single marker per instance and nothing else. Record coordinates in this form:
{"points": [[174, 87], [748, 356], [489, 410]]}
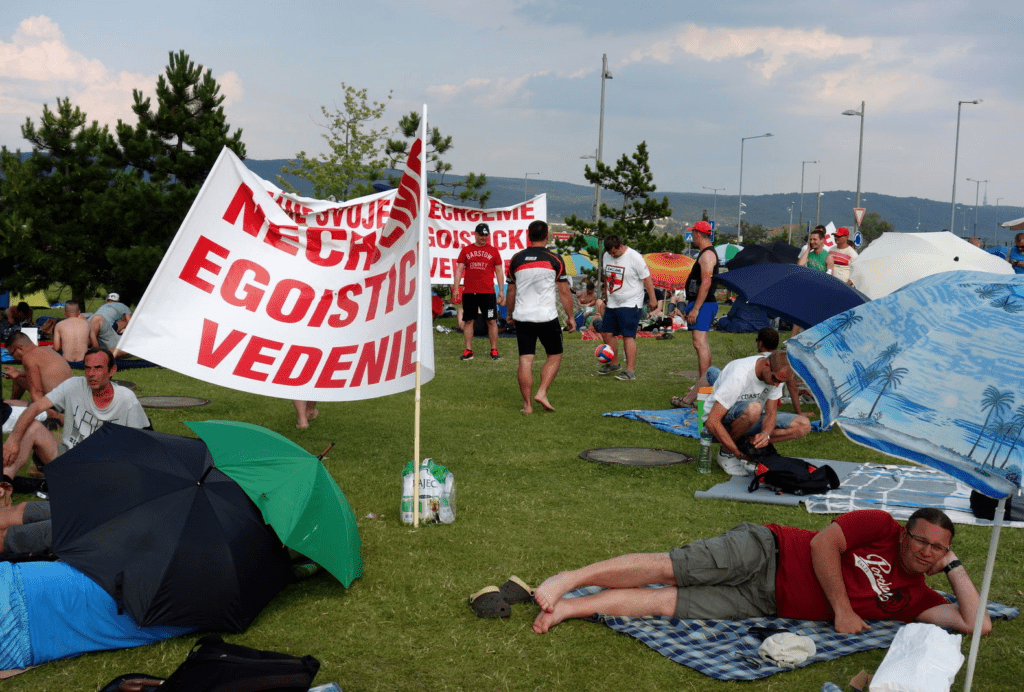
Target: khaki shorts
{"points": [[727, 577]]}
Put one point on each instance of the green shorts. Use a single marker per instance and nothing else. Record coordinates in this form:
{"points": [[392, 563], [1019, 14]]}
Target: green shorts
{"points": [[727, 577]]}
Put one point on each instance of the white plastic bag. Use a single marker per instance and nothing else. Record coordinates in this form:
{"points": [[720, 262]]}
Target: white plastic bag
{"points": [[436, 493], [922, 658]]}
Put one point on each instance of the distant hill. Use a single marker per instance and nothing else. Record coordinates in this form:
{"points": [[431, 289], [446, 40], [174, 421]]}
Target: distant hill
{"points": [[907, 214]]}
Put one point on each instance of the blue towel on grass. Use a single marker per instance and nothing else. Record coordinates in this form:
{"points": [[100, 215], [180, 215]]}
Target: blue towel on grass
{"points": [[678, 421], [724, 650]]}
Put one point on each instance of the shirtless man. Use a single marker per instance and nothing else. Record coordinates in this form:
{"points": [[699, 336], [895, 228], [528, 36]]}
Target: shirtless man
{"points": [[71, 335], [44, 369]]}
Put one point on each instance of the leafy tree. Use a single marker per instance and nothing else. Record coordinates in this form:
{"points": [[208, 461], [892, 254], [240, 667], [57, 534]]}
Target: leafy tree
{"points": [[54, 229], [356, 157], [397, 150], [873, 227], [634, 222]]}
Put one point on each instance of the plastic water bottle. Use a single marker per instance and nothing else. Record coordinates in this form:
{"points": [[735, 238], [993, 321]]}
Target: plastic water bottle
{"points": [[705, 463]]}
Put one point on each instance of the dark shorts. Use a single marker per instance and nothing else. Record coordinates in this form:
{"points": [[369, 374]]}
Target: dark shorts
{"points": [[549, 333], [474, 304], [731, 576], [621, 321], [34, 535], [706, 316]]}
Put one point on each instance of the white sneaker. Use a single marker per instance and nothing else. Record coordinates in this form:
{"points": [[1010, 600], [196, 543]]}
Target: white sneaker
{"points": [[732, 465]]}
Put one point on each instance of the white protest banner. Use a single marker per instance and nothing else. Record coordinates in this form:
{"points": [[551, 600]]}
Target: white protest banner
{"points": [[451, 228], [286, 296]]}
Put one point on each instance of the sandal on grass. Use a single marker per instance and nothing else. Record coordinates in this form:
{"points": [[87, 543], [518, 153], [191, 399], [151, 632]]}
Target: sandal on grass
{"points": [[489, 603], [515, 590], [681, 402]]}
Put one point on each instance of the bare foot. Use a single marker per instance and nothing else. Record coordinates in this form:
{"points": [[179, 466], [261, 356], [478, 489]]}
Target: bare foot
{"points": [[311, 415], [526, 409], [545, 621], [302, 425], [551, 590], [543, 401]]}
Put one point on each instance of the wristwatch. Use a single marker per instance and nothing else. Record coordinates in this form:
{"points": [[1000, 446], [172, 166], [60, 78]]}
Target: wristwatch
{"points": [[952, 565]]}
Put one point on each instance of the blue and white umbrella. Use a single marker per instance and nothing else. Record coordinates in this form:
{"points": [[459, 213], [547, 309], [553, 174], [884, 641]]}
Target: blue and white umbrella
{"points": [[932, 373]]}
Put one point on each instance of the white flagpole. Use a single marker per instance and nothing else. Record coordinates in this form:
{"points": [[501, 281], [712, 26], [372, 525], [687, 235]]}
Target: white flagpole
{"points": [[421, 328]]}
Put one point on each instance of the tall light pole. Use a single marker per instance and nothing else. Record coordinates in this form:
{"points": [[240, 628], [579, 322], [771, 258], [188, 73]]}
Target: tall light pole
{"points": [[791, 205], [803, 165], [605, 74], [860, 155], [956, 155], [714, 214], [525, 177], [977, 189], [739, 216]]}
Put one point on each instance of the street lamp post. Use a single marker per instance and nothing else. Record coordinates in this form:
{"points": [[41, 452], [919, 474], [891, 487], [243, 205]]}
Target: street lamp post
{"points": [[605, 74], [791, 205], [803, 165], [714, 214], [860, 155], [977, 189], [739, 216], [525, 178], [956, 155]]}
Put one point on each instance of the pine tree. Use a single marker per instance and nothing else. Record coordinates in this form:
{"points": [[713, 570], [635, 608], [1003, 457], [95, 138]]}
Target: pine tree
{"points": [[634, 221], [470, 189]]}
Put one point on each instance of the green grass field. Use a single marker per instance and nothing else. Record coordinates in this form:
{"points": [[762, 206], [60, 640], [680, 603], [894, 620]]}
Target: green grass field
{"points": [[527, 505]]}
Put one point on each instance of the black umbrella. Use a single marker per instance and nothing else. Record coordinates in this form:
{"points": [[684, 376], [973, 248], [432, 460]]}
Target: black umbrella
{"points": [[171, 538], [779, 251]]}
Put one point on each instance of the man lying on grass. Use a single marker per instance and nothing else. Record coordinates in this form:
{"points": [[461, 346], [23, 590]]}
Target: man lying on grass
{"points": [[863, 566]]}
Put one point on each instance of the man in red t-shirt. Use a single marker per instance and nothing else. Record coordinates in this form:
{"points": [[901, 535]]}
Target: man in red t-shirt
{"points": [[862, 566], [481, 264]]}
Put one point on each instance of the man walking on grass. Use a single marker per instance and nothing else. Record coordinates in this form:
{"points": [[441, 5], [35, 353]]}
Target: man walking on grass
{"points": [[480, 263], [626, 278], [536, 279]]}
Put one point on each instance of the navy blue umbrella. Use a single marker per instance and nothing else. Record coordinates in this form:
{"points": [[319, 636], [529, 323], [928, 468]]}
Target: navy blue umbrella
{"points": [[777, 252], [171, 538], [801, 295]]}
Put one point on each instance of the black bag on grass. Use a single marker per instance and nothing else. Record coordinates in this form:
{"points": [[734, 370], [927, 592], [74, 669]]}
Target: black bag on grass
{"points": [[213, 665], [794, 476]]}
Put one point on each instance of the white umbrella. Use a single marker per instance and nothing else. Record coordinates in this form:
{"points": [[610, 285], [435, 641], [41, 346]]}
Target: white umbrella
{"points": [[897, 259], [1015, 225]]}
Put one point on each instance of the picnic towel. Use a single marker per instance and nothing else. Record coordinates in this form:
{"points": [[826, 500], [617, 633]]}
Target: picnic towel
{"points": [[726, 650], [900, 491], [737, 487], [678, 421]]}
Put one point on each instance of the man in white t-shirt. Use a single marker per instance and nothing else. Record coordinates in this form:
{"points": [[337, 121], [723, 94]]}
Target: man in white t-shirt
{"points": [[87, 403], [843, 255], [626, 278], [745, 403]]}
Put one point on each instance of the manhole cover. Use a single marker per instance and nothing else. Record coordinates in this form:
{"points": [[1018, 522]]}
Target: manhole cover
{"points": [[125, 383], [171, 401], [636, 456]]}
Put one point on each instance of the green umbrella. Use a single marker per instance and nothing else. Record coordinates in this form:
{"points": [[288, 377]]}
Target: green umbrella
{"points": [[293, 490]]}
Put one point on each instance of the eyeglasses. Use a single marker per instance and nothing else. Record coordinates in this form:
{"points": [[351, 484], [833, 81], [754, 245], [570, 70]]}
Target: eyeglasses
{"points": [[774, 378], [921, 543]]}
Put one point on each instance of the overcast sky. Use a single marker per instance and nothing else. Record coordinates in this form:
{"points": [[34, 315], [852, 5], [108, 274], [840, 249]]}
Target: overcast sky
{"points": [[518, 84]]}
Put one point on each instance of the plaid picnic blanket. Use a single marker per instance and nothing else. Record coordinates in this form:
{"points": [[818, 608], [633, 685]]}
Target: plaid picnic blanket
{"points": [[900, 491], [726, 649], [678, 421]]}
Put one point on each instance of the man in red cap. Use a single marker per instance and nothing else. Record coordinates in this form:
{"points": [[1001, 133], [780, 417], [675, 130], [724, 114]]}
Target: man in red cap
{"points": [[843, 255], [701, 306]]}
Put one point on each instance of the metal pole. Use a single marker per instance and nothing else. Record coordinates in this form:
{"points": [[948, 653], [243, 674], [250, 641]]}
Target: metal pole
{"points": [[605, 74], [714, 214], [977, 189], [525, 177], [860, 157], [956, 156], [739, 216], [817, 212], [803, 166]]}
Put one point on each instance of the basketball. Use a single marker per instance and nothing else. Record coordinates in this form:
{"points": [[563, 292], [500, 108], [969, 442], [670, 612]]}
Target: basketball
{"points": [[604, 353]]}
